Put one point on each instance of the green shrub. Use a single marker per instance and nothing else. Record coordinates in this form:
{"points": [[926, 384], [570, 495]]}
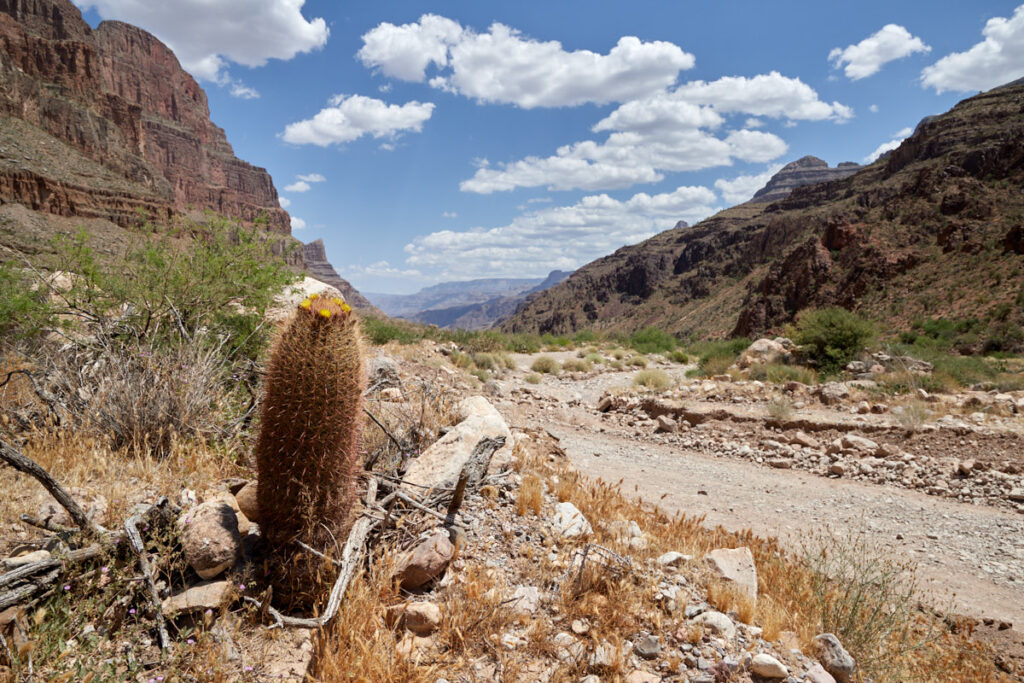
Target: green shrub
{"points": [[595, 358], [545, 365], [552, 341], [23, 313], [576, 365], [462, 360], [618, 354], [711, 366], [637, 361], [616, 365], [679, 356], [652, 340], [585, 337], [506, 361], [652, 379], [832, 336], [485, 361], [380, 332], [778, 373], [533, 378], [481, 374]]}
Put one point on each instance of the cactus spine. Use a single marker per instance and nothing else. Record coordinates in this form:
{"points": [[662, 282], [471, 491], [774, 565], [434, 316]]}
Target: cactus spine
{"points": [[307, 454]]}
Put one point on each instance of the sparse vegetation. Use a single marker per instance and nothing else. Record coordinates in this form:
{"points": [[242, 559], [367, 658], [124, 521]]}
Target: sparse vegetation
{"points": [[780, 409], [533, 378], [546, 365], [779, 373], [652, 340], [576, 365], [657, 380]]}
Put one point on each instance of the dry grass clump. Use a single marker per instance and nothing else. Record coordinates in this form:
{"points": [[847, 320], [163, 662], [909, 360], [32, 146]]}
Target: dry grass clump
{"points": [[594, 358], [728, 597], [576, 365], [780, 409], [546, 365], [657, 380], [913, 415], [637, 361], [532, 378], [530, 496]]}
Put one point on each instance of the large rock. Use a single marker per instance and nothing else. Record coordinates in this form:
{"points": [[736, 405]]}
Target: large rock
{"points": [[762, 352], [209, 535], [382, 373], [440, 465], [426, 561], [834, 657], [735, 565], [225, 497], [833, 393], [248, 502]]}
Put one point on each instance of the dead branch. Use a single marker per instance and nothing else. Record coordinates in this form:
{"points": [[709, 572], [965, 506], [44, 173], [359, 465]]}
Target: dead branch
{"points": [[135, 542], [45, 524], [22, 463]]}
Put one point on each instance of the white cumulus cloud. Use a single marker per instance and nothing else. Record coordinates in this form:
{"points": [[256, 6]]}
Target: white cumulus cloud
{"points": [[298, 223], [349, 117], [996, 60], [864, 59], [207, 35], [312, 177], [742, 187], [284, 202], [298, 186], [771, 94], [889, 145], [563, 237], [503, 66]]}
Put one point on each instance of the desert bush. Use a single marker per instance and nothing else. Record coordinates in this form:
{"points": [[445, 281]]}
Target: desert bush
{"points": [[616, 365], [461, 360], [679, 356], [506, 361], [779, 373], [912, 415], [595, 358], [710, 366], [832, 336], [24, 306], [637, 361], [481, 374], [380, 332], [555, 342], [652, 340], [545, 365], [618, 354], [576, 365], [652, 379], [485, 361], [307, 454], [533, 378], [780, 409]]}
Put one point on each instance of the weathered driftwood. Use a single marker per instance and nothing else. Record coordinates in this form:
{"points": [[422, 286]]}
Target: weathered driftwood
{"points": [[351, 558], [16, 459], [131, 528]]}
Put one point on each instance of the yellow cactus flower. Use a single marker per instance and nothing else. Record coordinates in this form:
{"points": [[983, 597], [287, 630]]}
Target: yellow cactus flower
{"points": [[338, 301], [346, 308], [305, 304], [325, 313]]}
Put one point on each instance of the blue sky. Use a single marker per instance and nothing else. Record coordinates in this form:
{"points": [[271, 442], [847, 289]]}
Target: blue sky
{"points": [[462, 139]]}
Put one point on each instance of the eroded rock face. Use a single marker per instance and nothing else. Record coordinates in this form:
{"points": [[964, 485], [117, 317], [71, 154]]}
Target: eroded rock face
{"points": [[805, 171], [107, 123]]}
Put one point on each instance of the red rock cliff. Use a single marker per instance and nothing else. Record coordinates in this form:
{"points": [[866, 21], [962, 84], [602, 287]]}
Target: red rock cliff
{"points": [[106, 123]]}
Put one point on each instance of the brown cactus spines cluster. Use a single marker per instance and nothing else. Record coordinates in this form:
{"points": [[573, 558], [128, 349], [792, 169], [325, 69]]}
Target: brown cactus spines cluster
{"points": [[308, 450]]}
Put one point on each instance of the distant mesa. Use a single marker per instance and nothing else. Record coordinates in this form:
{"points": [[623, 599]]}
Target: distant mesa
{"points": [[807, 170], [106, 124]]}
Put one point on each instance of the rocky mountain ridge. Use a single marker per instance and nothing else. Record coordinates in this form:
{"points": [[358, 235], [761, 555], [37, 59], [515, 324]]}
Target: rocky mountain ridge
{"points": [[106, 124], [470, 304], [935, 229], [807, 170]]}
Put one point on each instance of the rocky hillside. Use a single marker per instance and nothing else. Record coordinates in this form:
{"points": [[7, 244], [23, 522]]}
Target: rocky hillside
{"points": [[105, 124], [934, 229], [807, 170], [315, 257]]}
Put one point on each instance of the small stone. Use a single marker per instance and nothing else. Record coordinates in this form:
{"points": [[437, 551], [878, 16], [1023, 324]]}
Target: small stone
{"points": [[422, 618], [526, 600], [638, 676], [580, 627], [666, 425], [965, 467], [736, 565], [673, 559], [837, 468], [767, 666], [852, 442], [391, 394], [209, 535], [781, 463], [718, 623], [606, 655], [816, 674], [834, 657], [647, 647], [203, 596], [247, 502], [570, 522], [567, 648], [426, 561], [802, 439]]}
